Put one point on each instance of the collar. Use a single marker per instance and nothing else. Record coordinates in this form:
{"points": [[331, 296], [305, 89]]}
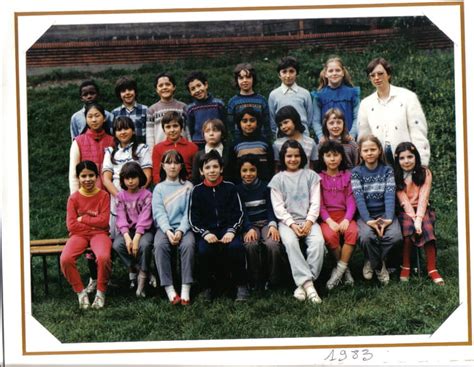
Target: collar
{"points": [[180, 141], [89, 194], [392, 93], [213, 184], [96, 135], [252, 186], [286, 89], [130, 109], [219, 148]]}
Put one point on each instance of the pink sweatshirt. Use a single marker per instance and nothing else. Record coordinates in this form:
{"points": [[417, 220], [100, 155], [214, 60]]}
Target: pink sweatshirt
{"points": [[336, 195]]}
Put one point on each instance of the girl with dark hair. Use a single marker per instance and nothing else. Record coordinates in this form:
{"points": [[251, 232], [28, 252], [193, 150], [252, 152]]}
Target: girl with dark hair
{"points": [[126, 149], [295, 196], [89, 145], [134, 240], [337, 209], [417, 219], [250, 141], [291, 128], [170, 213], [88, 211]]}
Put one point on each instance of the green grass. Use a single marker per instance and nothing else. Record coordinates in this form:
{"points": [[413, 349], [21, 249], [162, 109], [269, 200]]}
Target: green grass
{"points": [[418, 307]]}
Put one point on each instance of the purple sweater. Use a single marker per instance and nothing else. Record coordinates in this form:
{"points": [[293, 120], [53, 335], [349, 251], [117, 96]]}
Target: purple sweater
{"points": [[134, 211], [336, 194]]}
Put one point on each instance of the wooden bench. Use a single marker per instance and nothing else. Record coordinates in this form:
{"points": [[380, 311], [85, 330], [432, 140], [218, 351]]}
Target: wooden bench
{"points": [[46, 248]]}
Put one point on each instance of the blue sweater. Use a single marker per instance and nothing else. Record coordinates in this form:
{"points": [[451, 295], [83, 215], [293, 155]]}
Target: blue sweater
{"points": [[216, 208], [256, 101], [254, 144], [199, 112], [258, 209], [374, 191], [345, 98], [170, 205]]}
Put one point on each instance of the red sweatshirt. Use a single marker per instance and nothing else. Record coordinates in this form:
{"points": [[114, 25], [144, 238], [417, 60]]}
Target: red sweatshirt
{"points": [[93, 208]]}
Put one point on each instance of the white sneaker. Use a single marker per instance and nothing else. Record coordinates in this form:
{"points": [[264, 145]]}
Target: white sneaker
{"points": [[299, 293], [141, 286], [383, 275], [83, 300], [334, 280], [153, 282], [348, 279], [99, 302], [367, 270], [312, 295], [92, 286]]}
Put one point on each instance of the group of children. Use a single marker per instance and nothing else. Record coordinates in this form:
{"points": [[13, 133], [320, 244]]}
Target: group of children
{"points": [[229, 195]]}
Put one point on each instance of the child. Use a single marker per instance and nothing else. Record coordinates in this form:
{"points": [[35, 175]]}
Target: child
{"points": [[245, 79], [134, 221], [127, 92], [214, 133], [336, 90], [416, 218], [170, 213], [373, 186], [126, 149], [295, 195], [89, 93], [290, 127], [216, 217], [250, 140], [337, 209], [165, 86], [203, 107], [173, 124], [334, 128], [259, 225], [88, 225], [89, 145], [289, 93]]}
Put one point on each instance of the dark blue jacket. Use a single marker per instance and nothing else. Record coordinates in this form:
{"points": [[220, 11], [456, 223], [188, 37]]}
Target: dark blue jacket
{"points": [[215, 208]]}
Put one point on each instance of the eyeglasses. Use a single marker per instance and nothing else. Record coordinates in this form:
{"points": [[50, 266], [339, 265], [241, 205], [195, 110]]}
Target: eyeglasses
{"points": [[378, 74]]}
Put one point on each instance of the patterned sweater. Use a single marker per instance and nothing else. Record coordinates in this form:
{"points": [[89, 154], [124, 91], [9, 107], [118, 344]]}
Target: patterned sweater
{"points": [[374, 191]]}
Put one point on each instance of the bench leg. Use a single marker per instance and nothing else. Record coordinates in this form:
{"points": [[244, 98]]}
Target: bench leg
{"points": [[32, 282], [45, 275], [60, 274]]}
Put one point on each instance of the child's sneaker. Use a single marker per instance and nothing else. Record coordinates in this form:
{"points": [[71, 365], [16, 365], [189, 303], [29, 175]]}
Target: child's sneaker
{"points": [[141, 285], [99, 301], [367, 270], [242, 293], [153, 282], [348, 279], [312, 295], [299, 293], [92, 286], [83, 300], [383, 275], [133, 280], [334, 280]]}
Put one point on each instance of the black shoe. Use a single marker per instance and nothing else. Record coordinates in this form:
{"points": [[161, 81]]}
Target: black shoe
{"points": [[206, 295]]}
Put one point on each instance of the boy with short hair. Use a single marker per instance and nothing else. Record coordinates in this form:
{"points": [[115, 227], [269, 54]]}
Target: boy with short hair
{"points": [[245, 79], [165, 86], [172, 124], [216, 215], [204, 106], [88, 92], [127, 92], [289, 93]]}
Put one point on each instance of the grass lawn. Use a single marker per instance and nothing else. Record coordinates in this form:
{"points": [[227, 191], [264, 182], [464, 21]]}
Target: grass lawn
{"points": [[417, 307]]}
